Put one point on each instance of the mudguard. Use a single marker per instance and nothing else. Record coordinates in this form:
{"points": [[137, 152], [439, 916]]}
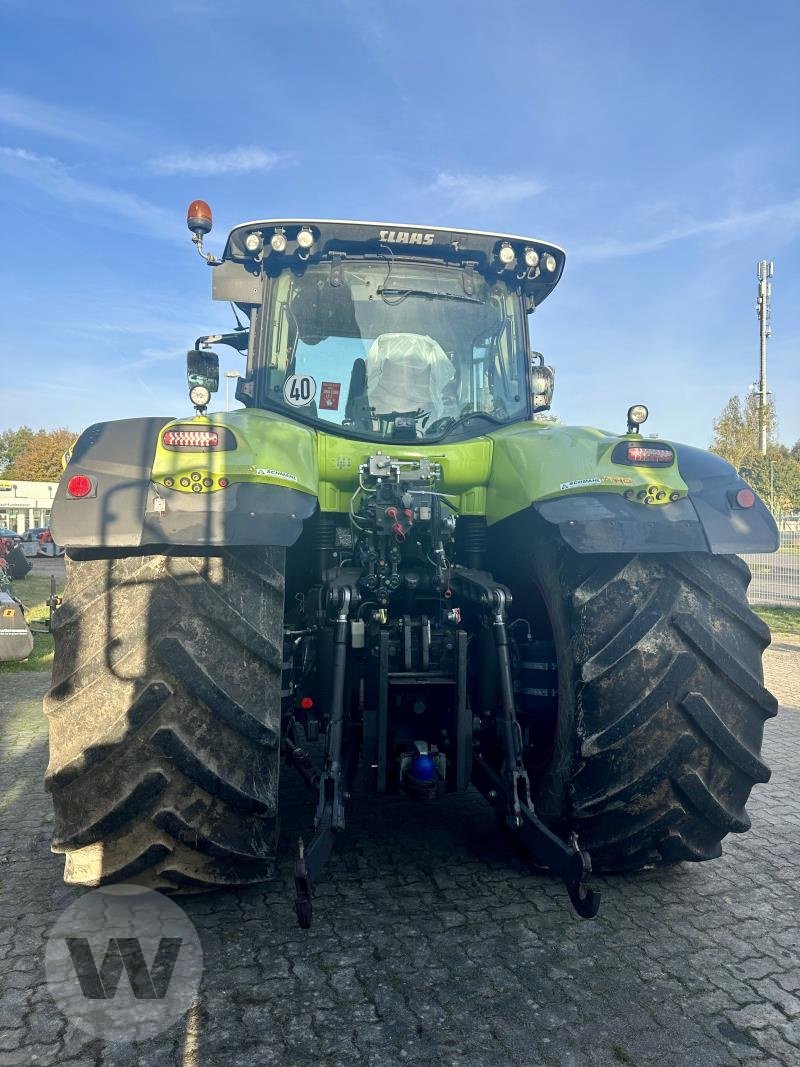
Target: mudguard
{"points": [[275, 471], [127, 509], [706, 520]]}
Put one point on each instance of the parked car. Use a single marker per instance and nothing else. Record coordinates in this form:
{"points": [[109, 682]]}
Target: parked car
{"points": [[38, 542]]}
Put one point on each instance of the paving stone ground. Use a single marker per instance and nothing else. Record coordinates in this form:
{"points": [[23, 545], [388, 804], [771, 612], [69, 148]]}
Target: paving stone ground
{"points": [[434, 945]]}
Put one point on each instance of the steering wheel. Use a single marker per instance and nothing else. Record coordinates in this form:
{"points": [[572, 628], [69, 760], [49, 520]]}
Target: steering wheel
{"points": [[446, 421], [439, 426]]}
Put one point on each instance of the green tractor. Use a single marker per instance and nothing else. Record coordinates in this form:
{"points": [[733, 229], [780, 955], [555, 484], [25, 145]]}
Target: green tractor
{"points": [[392, 551]]}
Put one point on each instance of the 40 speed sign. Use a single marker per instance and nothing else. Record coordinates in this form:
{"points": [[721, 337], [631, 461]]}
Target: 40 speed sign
{"points": [[299, 390]]}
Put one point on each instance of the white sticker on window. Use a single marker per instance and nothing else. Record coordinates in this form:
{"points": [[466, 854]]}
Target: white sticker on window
{"points": [[299, 390]]}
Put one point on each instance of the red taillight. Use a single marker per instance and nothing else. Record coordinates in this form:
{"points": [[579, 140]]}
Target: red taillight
{"points": [[649, 456], [185, 438], [745, 498], [79, 485], [191, 437], [635, 454]]}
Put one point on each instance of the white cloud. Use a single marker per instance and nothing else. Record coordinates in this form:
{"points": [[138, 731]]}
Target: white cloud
{"points": [[23, 156], [55, 180], [69, 124], [242, 160], [483, 190], [151, 355], [735, 224]]}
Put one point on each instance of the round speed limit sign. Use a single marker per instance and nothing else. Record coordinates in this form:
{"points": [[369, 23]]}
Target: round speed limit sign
{"points": [[299, 390]]}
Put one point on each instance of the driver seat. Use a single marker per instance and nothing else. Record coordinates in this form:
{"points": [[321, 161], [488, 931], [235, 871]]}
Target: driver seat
{"points": [[407, 372], [356, 409]]}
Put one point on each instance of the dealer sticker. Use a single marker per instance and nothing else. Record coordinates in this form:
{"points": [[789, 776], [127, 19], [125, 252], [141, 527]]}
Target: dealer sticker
{"points": [[580, 482], [605, 479], [299, 390], [329, 393], [268, 472]]}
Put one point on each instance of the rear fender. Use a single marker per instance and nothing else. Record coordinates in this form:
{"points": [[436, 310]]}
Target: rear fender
{"points": [[127, 509], [567, 475]]}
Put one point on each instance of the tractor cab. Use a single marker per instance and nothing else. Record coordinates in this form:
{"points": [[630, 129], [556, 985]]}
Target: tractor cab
{"points": [[375, 331]]}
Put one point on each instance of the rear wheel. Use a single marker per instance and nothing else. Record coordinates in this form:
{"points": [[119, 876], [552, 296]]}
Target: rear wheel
{"points": [[164, 719], [661, 702]]}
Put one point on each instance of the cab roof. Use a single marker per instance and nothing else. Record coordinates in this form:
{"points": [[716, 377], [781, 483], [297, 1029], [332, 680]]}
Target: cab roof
{"points": [[345, 237]]}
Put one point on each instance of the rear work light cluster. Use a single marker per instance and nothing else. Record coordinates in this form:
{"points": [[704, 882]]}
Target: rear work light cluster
{"points": [[634, 454], [196, 439]]}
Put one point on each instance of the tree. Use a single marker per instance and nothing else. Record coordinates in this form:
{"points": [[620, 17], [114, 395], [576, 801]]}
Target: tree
{"points": [[776, 479], [736, 430], [776, 475], [34, 455], [12, 445]]}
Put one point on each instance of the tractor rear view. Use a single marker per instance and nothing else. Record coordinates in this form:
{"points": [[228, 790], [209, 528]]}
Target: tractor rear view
{"points": [[387, 550]]}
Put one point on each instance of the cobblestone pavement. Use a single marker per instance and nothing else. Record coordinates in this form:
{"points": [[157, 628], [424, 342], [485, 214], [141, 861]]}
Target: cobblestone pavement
{"points": [[433, 945]]}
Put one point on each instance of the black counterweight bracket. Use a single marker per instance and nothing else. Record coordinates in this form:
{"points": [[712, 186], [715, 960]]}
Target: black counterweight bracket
{"points": [[566, 859]]}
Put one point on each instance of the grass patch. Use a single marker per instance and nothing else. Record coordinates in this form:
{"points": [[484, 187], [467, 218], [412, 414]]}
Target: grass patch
{"points": [[34, 591], [779, 619], [621, 1054]]}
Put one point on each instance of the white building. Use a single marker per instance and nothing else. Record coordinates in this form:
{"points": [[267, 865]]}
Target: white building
{"points": [[25, 504]]}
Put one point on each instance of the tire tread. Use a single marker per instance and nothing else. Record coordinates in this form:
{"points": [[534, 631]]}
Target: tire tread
{"points": [[164, 738]]}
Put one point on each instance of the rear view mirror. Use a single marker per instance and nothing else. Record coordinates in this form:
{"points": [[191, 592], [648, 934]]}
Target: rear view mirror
{"points": [[202, 368], [542, 382]]}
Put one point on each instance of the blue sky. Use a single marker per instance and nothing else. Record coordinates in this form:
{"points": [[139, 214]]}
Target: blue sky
{"points": [[656, 142]]}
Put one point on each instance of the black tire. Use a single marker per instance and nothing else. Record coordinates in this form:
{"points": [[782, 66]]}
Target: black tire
{"points": [[164, 719], [661, 703]]}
